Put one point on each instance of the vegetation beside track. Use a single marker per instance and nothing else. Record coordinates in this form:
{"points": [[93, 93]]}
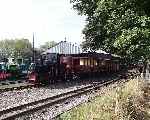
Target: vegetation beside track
{"points": [[127, 102]]}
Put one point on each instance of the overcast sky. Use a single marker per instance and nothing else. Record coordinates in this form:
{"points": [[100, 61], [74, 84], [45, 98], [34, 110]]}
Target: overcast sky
{"points": [[48, 19]]}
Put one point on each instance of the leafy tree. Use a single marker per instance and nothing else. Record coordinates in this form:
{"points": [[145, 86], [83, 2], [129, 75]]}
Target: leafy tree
{"points": [[120, 27], [16, 48], [47, 45], [23, 47]]}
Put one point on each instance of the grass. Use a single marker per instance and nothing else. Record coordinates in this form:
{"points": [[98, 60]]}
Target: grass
{"points": [[128, 102]]}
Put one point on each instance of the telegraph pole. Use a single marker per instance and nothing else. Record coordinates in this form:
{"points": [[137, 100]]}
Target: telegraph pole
{"points": [[33, 57]]}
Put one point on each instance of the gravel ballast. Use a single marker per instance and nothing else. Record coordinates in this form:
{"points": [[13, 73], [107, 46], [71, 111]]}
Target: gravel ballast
{"points": [[52, 111], [18, 97]]}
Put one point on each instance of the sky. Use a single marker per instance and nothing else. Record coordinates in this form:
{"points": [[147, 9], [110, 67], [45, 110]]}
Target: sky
{"points": [[49, 20]]}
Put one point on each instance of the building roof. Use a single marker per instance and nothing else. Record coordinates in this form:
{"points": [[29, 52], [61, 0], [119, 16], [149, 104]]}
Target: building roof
{"points": [[65, 47]]}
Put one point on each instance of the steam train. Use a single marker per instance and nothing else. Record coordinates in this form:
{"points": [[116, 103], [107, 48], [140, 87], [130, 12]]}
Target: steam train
{"points": [[12, 70], [54, 67]]}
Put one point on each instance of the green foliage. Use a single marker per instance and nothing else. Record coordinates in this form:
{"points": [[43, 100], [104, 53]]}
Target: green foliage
{"points": [[16, 48], [117, 26], [47, 45]]}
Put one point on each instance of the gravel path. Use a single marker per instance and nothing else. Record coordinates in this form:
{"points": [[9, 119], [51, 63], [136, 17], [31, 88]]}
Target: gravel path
{"points": [[19, 97]]}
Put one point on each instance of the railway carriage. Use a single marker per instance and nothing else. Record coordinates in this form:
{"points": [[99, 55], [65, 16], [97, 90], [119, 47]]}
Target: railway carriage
{"points": [[89, 64], [79, 65]]}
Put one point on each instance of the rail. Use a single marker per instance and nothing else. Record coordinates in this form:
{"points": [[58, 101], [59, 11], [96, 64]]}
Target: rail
{"points": [[6, 88], [24, 109]]}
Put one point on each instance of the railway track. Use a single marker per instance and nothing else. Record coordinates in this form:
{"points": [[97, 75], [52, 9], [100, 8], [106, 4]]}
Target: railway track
{"points": [[4, 87], [57, 115], [18, 111], [16, 88]]}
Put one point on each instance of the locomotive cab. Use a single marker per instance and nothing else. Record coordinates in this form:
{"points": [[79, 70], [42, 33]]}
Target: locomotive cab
{"points": [[32, 76], [13, 69]]}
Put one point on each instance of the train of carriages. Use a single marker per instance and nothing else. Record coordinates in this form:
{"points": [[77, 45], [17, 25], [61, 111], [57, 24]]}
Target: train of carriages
{"points": [[53, 67]]}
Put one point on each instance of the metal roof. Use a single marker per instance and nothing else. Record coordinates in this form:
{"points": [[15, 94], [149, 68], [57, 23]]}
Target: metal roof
{"points": [[65, 47]]}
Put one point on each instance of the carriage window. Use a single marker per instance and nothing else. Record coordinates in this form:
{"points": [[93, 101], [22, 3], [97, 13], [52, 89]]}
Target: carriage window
{"points": [[81, 61], [89, 62], [85, 62], [92, 62], [95, 62]]}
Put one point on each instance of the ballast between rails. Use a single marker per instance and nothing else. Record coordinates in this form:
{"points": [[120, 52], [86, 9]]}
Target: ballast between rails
{"points": [[21, 110]]}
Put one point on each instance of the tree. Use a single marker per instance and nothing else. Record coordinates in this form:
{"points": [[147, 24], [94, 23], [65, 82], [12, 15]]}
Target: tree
{"points": [[120, 27], [47, 45], [16, 48], [24, 48]]}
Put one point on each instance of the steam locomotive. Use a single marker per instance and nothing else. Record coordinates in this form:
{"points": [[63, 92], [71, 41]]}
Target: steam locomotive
{"points": [[53, 67], [11, 69]]}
